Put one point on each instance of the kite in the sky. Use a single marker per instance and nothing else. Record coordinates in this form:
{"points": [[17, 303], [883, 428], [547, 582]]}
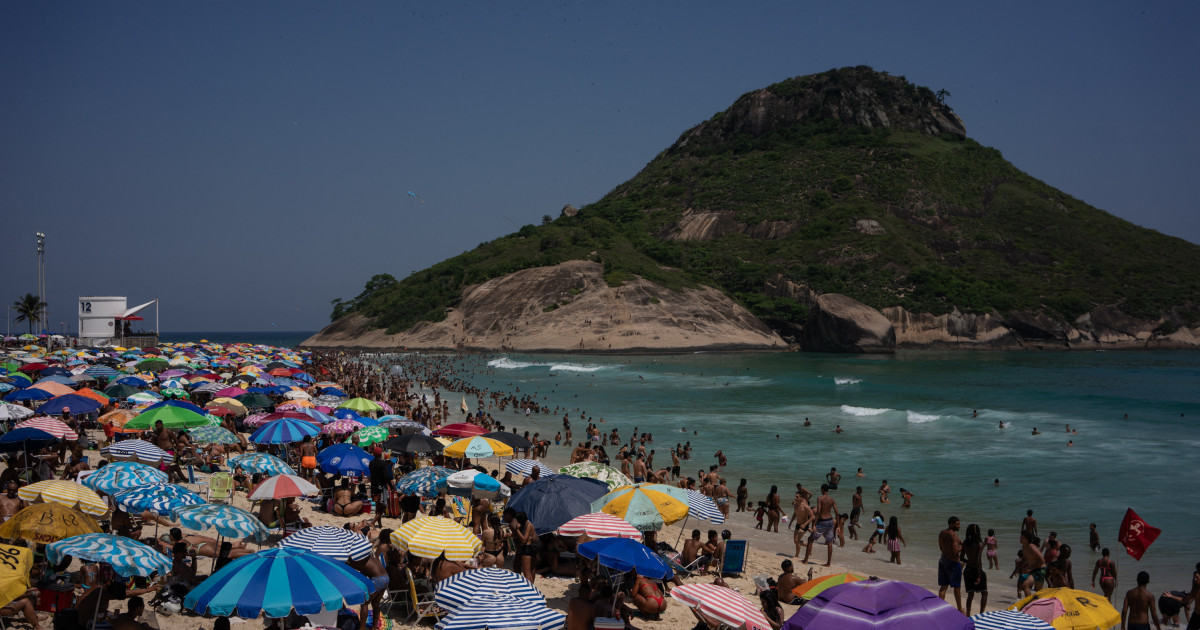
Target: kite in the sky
{"points": [[415, 196]]}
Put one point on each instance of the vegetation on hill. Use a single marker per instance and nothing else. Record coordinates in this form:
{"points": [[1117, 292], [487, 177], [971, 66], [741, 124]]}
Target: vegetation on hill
{"points": [[963, 228]]}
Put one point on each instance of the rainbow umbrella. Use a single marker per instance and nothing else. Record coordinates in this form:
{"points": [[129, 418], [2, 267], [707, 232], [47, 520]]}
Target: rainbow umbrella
{"points": [[817, 585], [646, 506]]}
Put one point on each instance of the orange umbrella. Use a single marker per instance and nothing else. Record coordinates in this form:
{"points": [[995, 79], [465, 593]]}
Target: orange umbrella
{"points": [[94, 395]]}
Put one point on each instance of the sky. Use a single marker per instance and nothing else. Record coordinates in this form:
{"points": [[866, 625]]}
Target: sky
{"points": [[246, 163]]}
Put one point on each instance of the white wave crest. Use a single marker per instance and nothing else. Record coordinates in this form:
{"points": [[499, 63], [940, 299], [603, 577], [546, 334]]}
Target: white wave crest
{"points": [[570, 367], [846, 381], [863, 411], [921, 418], [505, 363]]}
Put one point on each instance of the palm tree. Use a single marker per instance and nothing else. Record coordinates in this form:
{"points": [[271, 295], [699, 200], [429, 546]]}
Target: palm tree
{"points": [[29, 309], [942, 95]]}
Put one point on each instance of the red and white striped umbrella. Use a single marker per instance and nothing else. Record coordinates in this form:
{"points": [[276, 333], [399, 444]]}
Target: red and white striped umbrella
{"points": [[54, 427], [282, 487], [341, 426], [723, 604], [600, 525]]}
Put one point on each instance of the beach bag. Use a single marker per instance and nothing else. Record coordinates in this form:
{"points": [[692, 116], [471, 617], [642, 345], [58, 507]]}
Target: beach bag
{"points": [[393, 504]]}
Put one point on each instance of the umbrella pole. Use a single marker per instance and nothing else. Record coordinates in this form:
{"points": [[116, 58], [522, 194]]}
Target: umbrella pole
{"points": [[217, 553], [682, 528]]}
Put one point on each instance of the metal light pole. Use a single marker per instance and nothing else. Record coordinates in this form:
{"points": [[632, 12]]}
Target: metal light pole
{"points": [[41, 252]]}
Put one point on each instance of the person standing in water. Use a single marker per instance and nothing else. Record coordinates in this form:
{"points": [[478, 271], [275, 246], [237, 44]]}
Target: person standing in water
{"points": [[1107, 570]]}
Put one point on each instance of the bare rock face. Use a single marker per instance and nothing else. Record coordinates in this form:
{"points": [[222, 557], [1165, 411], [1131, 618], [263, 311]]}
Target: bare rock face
{"points": [[569, 307], [841, 324], [569, 211], [925, 330], [869, 226]]}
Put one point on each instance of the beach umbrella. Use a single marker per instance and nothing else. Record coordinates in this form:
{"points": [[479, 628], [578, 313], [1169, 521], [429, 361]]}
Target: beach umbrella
{"points": [[611, 477], [319, 416], [227, 520], [144, 398], [501, 612], [15, 571], [100, 371], [511, 439], [72, 403], [254, 400], [120, 391], [337, 543], [284, 431], [172, 417], [228, 404], [400, 422], [25, 439], [344, 459], [339, 427], [282, 487], [647, 506], [624, 555], [213, 435], [333, 392], [1008, 620], [55, 427], [136, 451], [552, 501], [260, 463], [276, 581], [457, 591], [703, 507], [723, 604], [817, 585], [14, 412], [432, 536], [118, 418], [477, 447], [599, 525], [422, 481], [229, 392], [54, 387], [524, 467], [31, 393], [329, 400], [119, 476], [160, 498], [471, 482], [370, 435], [132, 381], [66, 493], [297, 394], [48, 522], [1069, 609], [460, 430], [413, 443], [127, 557], [874, 603]]}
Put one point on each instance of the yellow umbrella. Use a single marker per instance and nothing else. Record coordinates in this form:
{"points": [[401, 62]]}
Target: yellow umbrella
{"points": [[431, 536], [235, 406], [66, 493], [646, 506], [1075, 609], [14, 571], [478, 446], [47, 523]]}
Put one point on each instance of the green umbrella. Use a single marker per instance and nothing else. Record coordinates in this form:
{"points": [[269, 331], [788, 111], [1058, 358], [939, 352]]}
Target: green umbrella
{"points": [[370, 435], [10, 367], [152, 365], [213, 421], [174, 392], [120, 391], [254, 400], [172, 418], [361, 405], [213, 435]]}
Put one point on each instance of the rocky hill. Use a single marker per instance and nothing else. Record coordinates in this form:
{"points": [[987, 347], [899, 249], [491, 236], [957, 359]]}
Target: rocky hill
{"points": [[843, 211]]}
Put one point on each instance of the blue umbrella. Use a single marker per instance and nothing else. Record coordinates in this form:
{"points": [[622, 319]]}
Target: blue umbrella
{"points": [[57, 378], [282, 385], [346, 414], [1008, 620], [119, 476], [132, 381], [500, 612], [422, 481], [337, 543], [25, 438], [276, 581], [100, 371], [260, 463], [344, 459], [159, 498], [228, 520], [73, 403], [127, 557], [551, 501], [703, 507], [623, 554], [140, 450], [55, 371], [303, 376], [31, 393], [284, 431], [456, 591], [319, 416]]}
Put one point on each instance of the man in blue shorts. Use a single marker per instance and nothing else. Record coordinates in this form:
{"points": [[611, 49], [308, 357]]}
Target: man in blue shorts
{"points": [[826, 526], [950, 568]]}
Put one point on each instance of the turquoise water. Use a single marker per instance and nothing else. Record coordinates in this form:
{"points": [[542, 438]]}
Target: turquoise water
{"points": [[908, 418]]}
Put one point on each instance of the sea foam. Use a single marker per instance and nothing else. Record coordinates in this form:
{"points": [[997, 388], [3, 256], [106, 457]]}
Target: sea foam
{"points": [[570, 367], [863, 411], [921, 418], [838, 380], [505, 363]]}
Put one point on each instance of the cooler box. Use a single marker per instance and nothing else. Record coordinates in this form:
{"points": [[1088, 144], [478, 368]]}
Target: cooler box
{"points": [[56, 597]]}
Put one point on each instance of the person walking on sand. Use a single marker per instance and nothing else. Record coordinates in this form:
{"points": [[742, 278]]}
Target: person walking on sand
{"points": [[826, 527], [801, 497], [894, 539], [1107, 570], [949, 574], [773, 510], [743, 493], [1139, 609], [974, 577], [802, 518]]}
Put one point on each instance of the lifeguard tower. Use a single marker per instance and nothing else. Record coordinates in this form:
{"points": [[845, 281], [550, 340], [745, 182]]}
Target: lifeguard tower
{"points": [[107, 321]]}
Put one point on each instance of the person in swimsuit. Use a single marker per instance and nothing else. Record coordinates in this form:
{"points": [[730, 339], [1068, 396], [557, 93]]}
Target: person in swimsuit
{"points": [[878, 522], [494, 544], [1107, 570], [743, 493], [308, 456], [884, 489], [990, 543], [773, 510], [1139, 609], [343, 500], [646, 596]]}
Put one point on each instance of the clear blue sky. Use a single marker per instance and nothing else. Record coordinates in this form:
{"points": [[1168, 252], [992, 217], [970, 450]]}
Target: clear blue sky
{"points": [[249, 162]]}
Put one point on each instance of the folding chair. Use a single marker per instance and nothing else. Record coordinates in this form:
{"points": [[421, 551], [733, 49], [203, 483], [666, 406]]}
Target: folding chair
{"points": [[193, 480], [693, 568], [220, 487], [423, 604], [734, 560]]}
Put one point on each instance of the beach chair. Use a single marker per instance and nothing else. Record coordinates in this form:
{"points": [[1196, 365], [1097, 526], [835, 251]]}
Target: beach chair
{"points": [[734, 560], [220, 487], [423, 604], [195, 481], [696, 567]]}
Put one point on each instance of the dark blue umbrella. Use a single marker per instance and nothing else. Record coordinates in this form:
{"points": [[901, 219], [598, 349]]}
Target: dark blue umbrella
{"points": [[551, 501], [346, 414], [31, 393], [333, 391], [344, 459], [73, 403], [623, 554], [55, 370], [132, 381], [24, 439]]}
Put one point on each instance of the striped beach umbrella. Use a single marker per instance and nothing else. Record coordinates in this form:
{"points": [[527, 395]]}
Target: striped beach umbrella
{"points": [[54, 427], [136, 450], [703, 507], [284, 431], [66, 493], [320, 416], [213, 435], [599, 525], [119, 476], [595, 470], [370, 435], [478, 447], [100, 371], [260, 463], [501, 612], [277, 581], [817, 585], [432, 536], [339, 427], [282, 487], [337, 543], [127, 557], [524, 467], [229, 521], [423, 481], [162, 498], [723, 604], [646, 506], [457, 591], [1008, 620]]}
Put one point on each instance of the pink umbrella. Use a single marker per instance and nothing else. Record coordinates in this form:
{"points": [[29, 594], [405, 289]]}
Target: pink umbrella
{"points": [[723, 604], [387, 409], [600, 525], [50, 425], [256, 420], [460, 430], [229, 392], [341, 426], [282, 487], [1047, 609]]}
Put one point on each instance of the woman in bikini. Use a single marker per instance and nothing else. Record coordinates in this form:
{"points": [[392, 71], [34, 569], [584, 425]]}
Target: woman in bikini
{"points": [[494, 543], [990, 543], [1107, 569], [646, 596], [343, 500], [773, 510]]}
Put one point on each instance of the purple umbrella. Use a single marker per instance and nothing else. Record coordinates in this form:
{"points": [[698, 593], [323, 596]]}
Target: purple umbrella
{"points": [[875, 604]]}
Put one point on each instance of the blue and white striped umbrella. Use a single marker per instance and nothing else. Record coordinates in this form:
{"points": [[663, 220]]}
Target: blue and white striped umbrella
{"points": [[119, 476], [524, 467], [127, 556], [703, 508], [499, 612], [101, 371], [260, 463], [136, 450], [422, 481], [319, 416], [1009, 620], [456, 591], [284, 431], [229, 521], [337, 543], [162, 498], [276, 581]]}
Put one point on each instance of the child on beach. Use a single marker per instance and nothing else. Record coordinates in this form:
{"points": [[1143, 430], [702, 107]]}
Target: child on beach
{"points": [[894, 539], [760, 513], [990, 543]]}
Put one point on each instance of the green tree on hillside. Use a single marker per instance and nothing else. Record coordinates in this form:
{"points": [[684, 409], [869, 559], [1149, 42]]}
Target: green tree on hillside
{"points": [[942, 95], [29, 309]]}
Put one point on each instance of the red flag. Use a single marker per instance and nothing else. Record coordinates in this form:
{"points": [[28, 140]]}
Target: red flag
{"points": [[1136, 534]]}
